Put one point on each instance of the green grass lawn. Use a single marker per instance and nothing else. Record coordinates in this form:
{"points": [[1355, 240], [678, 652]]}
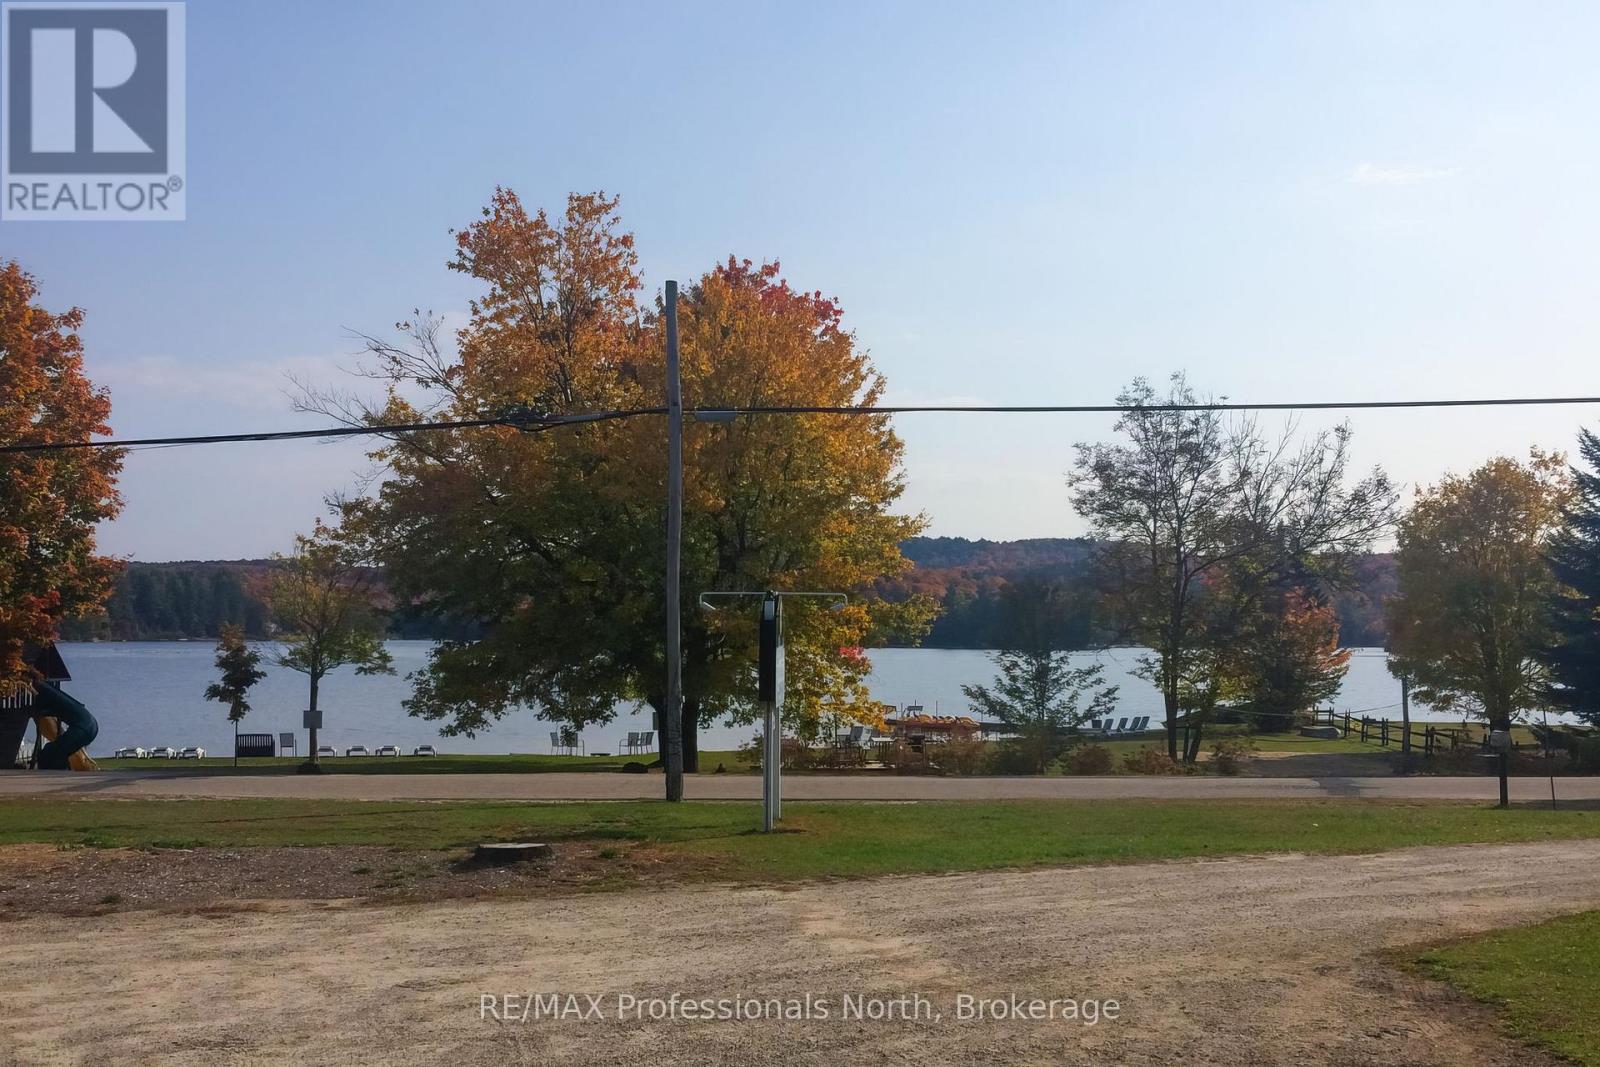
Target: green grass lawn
{"points": [[1545, 978], [1284, 742], [1296, 743], [516, 763], [819, 839]]}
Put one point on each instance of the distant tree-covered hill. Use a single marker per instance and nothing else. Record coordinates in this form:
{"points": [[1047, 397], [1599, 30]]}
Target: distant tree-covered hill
{"points": [[166, 601], [966, 578], [191, 599]]}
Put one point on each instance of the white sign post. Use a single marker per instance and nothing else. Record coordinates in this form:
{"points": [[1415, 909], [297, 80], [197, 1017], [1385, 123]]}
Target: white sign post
{"points": [[769, 691]]}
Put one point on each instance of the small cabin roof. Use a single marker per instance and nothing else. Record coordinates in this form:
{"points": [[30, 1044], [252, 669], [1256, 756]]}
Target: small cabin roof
{"points": [[46, 659]]}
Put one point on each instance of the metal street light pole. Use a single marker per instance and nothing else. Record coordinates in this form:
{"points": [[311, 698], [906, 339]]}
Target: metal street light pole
{"points": [[769, 690], [672, 714]]}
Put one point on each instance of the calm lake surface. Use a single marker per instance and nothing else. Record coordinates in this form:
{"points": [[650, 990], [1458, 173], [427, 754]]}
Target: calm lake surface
{"points": [[149, 693]]}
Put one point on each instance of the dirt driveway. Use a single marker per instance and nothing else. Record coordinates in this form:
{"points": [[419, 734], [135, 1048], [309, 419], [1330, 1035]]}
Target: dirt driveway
{"points": [[1251, 960]]}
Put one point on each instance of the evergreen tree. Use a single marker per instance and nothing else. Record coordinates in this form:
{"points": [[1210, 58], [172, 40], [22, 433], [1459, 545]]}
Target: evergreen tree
{"points": [[1037, 693], [1573, 660]]}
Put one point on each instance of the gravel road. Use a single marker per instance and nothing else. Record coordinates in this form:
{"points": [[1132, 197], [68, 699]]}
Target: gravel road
{"points": [[1247, 960]]}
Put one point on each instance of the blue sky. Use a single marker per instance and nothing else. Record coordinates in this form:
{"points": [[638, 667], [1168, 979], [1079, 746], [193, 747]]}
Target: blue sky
{"points": [[1022, 203]]}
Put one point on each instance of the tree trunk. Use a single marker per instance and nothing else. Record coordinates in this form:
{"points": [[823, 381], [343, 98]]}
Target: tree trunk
{"points": [[690, 722], [1503, 722], [313, 728]]}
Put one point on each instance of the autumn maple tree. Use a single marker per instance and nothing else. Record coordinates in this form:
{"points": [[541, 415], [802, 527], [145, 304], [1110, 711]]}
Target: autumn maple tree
{"points": [[551, 539], [1290, 657], [50, 502], [1472, 619]]}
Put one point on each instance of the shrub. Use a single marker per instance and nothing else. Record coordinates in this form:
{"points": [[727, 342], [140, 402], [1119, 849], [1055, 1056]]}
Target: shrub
{"points": [[1585, 754], [1009, 757], [903, 759], [1228, 756], [1089, 759], [1273, 722], [1537, 763], [1468, 759], [1150, 760], [817, 759], [797, 755], [961, 756]]}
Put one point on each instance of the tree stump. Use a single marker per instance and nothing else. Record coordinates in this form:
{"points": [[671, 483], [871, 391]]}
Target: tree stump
{"points": [[512, 852]]}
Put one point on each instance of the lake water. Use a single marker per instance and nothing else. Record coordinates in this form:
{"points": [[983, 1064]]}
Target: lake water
{"points": [[149, 693]]}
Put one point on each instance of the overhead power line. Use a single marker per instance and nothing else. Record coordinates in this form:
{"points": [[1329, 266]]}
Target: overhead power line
{"points": [[534, 422], [515, 420], [1089, 409]]}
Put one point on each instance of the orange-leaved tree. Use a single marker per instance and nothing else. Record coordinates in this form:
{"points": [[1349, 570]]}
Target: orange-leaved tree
{"points": [[50, 502], [1291, 660], [775, 501], [552, 540]]}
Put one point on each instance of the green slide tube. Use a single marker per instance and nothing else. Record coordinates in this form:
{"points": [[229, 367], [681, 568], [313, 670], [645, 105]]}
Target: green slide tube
{"points": [[78, 726]]}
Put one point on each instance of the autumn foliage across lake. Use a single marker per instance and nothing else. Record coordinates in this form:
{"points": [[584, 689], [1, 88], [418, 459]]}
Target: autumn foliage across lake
{"points": [[170, 601]]}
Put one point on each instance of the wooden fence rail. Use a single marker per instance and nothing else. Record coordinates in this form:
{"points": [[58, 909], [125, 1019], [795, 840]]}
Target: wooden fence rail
{"points": [[1429, 738]]}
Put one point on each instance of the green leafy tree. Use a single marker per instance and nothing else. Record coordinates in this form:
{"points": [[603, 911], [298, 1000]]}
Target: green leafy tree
{"points": [[1471, 620], [1196, 514], [239, 667], [1572, 659], [323, 602], [1040, 697]]}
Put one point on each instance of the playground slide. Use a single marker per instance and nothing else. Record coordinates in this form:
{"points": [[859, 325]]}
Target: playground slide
{"points": [[67, 725]]}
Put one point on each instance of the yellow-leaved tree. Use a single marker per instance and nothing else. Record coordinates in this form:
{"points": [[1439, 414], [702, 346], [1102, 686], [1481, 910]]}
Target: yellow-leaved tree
{"points": [[550, 541], [1472, 614]]}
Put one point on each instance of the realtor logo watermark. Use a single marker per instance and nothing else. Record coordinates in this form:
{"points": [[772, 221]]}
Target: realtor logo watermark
{"points": [[92, 111]]}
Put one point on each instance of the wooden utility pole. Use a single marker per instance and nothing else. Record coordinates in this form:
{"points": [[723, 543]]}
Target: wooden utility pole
{"points": [[1405, 718], [672, 714]]}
